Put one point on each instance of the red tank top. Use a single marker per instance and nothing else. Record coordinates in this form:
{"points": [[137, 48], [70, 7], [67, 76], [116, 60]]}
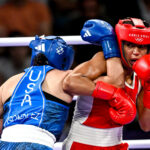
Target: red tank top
{"points": [[99, 116], [134, 89]]}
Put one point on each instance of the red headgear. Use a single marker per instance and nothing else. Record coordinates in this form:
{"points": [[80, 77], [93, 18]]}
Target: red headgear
{"points": [[137, 33]]}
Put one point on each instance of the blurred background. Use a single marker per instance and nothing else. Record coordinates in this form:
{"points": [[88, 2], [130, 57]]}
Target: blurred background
{"points": [[20, 18]]}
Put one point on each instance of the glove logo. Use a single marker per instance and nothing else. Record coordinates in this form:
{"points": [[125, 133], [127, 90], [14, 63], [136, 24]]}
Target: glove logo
{"points": [[59, 50], [40, 47], [87, 34]]}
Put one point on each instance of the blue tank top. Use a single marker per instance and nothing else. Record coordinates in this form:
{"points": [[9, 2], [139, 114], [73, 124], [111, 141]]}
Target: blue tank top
{"points": [[31, 106]]}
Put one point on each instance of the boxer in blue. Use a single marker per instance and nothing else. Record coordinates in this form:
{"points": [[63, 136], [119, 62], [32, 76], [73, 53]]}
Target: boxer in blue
{"points": [[33, 104]]}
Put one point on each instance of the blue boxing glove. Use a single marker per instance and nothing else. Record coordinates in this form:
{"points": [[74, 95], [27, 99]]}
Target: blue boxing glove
{"points": [[100, 32]]}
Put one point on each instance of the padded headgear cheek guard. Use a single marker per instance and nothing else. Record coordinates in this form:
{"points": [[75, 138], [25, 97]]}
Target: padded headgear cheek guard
{"points": [[137, 34], [58, 53]]}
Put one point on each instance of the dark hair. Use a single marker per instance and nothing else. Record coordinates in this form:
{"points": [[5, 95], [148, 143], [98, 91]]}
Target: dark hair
{"points": [[40, 60]]}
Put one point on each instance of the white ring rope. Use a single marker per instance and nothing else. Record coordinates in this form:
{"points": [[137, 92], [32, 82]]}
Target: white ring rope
{"points": [[24, 41], [71, 40], [138, 144]]}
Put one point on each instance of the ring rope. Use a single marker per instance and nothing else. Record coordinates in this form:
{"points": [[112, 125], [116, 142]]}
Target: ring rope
{"points": [[24, 41]]}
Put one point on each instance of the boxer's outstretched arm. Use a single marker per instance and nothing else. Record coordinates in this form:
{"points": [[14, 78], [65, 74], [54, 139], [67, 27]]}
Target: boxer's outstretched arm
{"points": [[80, 80]]}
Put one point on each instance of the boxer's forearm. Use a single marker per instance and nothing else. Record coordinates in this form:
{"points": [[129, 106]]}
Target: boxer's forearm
{"points": [[115, 73], [143, 113], [76, 84]]}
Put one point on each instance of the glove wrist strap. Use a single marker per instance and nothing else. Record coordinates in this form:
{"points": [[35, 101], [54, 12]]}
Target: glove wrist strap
{"points": [[104, 91], [110, 47]]}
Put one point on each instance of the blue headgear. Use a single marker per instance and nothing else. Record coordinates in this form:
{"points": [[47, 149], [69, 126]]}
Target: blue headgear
{"points": [[59, 54]]}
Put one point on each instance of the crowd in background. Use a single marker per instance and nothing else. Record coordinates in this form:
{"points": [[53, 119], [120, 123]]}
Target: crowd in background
{"points": [[20, 18]]}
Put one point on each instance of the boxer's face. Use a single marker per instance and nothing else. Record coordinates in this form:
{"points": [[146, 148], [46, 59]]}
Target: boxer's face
{"points": [[133, 52]]}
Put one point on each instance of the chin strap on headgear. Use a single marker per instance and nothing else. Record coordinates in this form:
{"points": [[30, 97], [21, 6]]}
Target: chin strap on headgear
{"points": [[137, 33], [58, 53]]}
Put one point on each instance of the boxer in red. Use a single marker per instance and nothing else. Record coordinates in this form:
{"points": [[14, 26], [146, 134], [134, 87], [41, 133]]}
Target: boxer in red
{"points": [[134, 40], [98, 119]]}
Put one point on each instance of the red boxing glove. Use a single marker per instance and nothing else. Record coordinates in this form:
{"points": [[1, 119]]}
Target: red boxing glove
{"points": [[142, 68], [123, 109], [104, 91]]}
